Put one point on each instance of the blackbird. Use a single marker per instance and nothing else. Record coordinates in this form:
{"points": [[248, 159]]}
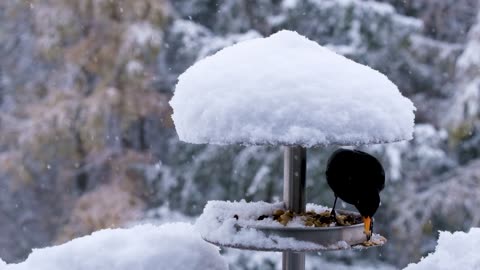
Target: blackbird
{"points": [[357, 178]]}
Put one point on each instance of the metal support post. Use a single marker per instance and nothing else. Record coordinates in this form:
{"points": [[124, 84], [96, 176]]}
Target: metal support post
{"points": [[295, 168]]}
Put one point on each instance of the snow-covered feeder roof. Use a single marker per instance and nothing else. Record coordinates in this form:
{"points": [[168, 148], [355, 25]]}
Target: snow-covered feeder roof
{"points": [[287, 89]]}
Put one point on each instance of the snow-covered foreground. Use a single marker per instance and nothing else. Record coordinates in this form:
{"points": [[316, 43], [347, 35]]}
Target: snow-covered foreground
{"points": [[163, 247], [178, 245], [171, 246], [458, 250]]}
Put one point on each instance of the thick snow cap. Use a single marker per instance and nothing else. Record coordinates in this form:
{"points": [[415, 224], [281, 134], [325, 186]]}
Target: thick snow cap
{"points": [[287, 89]]}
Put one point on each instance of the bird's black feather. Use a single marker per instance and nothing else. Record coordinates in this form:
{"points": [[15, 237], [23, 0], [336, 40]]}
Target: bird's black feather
{"points": [[357, 178]]}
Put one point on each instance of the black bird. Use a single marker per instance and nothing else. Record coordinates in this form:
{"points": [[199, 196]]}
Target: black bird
{"points": [[357, 178]]}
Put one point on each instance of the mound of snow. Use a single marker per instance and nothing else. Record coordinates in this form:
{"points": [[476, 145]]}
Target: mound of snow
{"points": [[145, 247], [456, 250], [286, 89]]}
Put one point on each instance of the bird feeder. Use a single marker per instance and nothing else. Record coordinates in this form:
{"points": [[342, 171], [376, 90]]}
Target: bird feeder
{"points": [[285, 90]]}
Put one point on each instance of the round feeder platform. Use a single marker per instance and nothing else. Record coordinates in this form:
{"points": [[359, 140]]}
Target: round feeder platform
{"points": [[274, 236]]}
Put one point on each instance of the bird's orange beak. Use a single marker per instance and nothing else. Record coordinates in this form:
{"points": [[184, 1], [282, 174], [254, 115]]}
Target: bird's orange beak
{"points": [[367, 229]]}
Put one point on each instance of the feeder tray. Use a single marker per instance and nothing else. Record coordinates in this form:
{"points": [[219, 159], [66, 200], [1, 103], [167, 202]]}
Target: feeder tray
{"points": [[239, 219], [318, 235]]}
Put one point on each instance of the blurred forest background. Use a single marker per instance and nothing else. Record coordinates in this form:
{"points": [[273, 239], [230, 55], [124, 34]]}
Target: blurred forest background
{"points": [[87, 142]]}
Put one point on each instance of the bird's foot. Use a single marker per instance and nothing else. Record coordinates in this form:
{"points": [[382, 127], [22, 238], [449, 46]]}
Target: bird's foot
{"points": [[333, 215]]}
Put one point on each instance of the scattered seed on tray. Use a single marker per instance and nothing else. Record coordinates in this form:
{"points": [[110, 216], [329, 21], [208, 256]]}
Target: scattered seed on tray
{"points": [[312, 219]]}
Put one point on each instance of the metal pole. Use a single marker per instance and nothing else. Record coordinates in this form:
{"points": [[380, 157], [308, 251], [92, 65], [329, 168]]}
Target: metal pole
{"points": [[294, 174]]}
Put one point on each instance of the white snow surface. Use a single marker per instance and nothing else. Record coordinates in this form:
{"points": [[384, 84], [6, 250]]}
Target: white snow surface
{"points": [[171, 246], [287, 89], [218, 224], [458, 250]]}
